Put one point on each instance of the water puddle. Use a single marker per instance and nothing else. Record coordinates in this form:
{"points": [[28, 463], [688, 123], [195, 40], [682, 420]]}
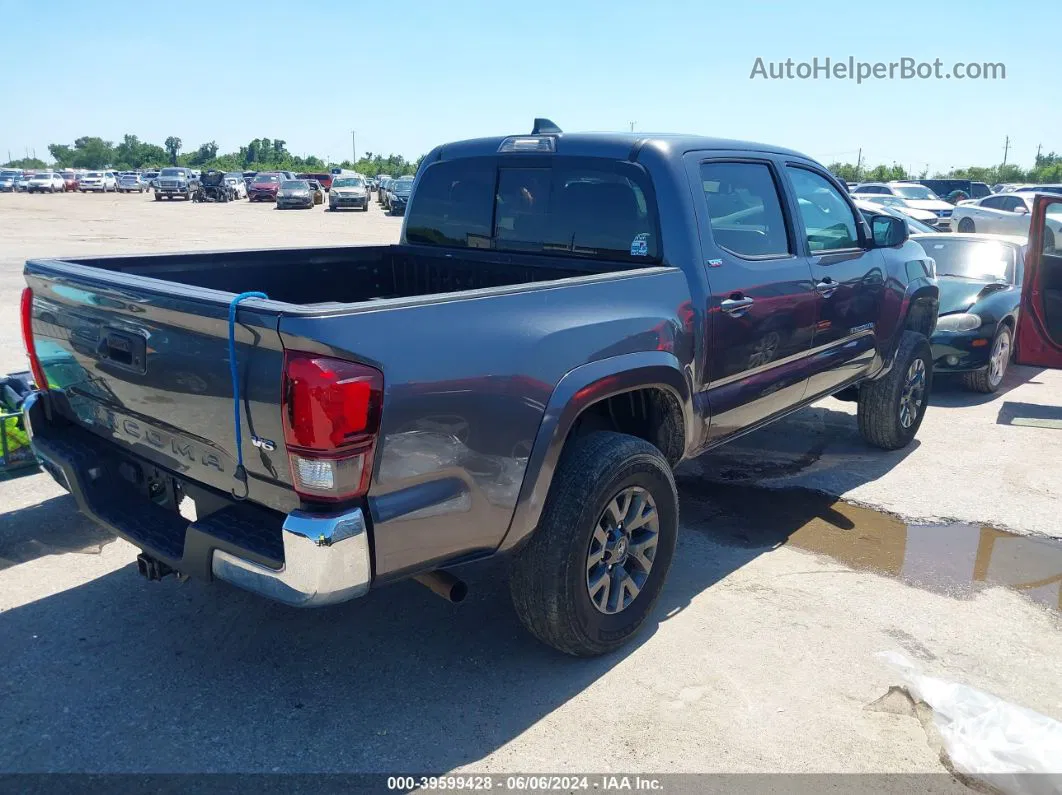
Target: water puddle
{"points": [[952, 559]]}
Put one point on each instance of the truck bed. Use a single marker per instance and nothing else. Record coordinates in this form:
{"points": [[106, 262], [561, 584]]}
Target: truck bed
{"points": [[350, 274]]}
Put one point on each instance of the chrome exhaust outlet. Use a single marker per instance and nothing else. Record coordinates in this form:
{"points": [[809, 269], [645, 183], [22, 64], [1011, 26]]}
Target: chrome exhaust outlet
{"points": [[444, 584]]}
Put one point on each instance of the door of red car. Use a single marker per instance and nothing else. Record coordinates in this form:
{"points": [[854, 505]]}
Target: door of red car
{"points": [[1039, 337]]}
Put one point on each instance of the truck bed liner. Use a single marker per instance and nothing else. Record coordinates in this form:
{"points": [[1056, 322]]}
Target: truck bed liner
{"points": [[350, 274]]}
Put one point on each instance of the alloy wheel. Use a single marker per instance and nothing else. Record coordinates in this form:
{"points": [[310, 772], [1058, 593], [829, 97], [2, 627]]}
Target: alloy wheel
{"points": [[914, 393], [622, 550]]}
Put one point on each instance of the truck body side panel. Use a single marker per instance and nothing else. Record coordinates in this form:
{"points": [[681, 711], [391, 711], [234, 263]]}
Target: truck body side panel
{"points": [[467, 380]]}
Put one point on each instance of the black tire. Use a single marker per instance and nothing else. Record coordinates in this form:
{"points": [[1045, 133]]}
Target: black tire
{"points": [[880, 403], [548, 581], [966, 225], [158, 197], [988, 380]]}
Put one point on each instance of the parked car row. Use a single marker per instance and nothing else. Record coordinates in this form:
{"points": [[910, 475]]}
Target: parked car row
{"points": [[70, 180]]}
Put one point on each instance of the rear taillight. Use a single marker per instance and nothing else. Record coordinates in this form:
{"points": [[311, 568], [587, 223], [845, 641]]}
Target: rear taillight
{"points": [[332, 413], [27, 339]]}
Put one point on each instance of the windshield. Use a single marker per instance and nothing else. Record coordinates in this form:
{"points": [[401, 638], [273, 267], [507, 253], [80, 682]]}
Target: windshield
{"points": [[348, 182], [295, 184], [171, 172], [402, 184], [267, 178], [8, 174], [94, 174], [915, 192], [972, 259]]}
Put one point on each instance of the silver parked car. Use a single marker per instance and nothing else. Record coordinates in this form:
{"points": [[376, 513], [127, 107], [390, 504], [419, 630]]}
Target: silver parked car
{"points": [[348, 192], [8, 180], [127, 183]]}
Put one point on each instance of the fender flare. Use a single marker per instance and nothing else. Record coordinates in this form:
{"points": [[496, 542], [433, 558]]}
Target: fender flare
{"points": [[917, 291], [575, 392]]}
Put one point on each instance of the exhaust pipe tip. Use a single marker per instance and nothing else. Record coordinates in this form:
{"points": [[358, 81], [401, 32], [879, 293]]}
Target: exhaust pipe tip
{"points": [[444, 584]]}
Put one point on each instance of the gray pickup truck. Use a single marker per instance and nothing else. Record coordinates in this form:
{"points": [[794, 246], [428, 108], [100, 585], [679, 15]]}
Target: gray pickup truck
{"points": [[565, 318]]}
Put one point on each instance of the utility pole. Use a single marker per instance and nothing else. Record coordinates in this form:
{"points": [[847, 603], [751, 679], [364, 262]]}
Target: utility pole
{"points": [[859, 162], [354, 145], [632, 126], [1006, 149], [1039, 148]]}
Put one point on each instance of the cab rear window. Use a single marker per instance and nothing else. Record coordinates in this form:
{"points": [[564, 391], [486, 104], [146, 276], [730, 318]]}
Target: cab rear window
{"points": [[597, 209]]}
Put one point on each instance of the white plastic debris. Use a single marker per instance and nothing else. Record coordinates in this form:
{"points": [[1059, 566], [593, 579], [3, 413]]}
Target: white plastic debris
{"points": [[1013, 749]]}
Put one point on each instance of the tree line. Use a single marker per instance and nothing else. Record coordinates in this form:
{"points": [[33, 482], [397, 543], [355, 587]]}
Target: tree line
{"points": [[261, 154], [269, 154], [1047, 168]]}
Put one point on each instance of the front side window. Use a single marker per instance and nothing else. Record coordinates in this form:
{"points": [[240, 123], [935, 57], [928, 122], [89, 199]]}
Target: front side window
{"points": [[829, 222], [993, 203], [744, 209]]}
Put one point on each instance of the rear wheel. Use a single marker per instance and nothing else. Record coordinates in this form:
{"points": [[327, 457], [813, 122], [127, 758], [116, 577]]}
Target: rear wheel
{"points": [[589, 577], [988, 379], [966, 225], [892, 408]]}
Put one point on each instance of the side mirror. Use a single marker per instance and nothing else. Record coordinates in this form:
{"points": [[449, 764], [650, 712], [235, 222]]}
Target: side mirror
{"points": [[1021, 209], [888, 231]]}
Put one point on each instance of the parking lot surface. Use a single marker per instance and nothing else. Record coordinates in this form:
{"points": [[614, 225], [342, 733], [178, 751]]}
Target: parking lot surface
{"points": [[761, 657]]}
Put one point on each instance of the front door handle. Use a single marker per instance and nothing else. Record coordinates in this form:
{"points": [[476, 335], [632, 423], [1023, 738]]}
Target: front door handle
{"points": [[736, 307], [826, 287]]}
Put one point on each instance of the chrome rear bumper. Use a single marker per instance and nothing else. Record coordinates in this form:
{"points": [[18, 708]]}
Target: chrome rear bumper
{"points": [[326, 557], [326, 560]]}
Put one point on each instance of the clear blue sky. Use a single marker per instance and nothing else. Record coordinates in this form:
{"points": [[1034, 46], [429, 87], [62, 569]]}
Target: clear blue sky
{"points": [[412, 74]]}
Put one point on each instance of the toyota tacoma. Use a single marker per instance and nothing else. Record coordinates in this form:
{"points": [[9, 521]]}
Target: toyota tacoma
{"points": [[565, 318]]}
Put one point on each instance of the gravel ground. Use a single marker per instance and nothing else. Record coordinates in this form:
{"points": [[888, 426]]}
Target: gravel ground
{"points": [[760, 658]]}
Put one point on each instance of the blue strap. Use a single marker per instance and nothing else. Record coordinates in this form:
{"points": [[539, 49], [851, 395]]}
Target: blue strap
{"points": [[241, 473]]}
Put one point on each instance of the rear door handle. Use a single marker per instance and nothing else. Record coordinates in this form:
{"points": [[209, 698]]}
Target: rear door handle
{"points": [[736, 307], [826, 287]]}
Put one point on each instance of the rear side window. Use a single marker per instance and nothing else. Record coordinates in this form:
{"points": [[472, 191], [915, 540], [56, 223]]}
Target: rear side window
{"points": [[570, 208], [744, 209]]}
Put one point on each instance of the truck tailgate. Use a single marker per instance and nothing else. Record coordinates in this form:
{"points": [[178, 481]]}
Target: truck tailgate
{"points": [[145, 364]]}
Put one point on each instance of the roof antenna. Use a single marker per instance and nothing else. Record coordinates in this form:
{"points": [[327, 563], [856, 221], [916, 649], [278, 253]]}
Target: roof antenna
{"points": [[545, 127]]}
